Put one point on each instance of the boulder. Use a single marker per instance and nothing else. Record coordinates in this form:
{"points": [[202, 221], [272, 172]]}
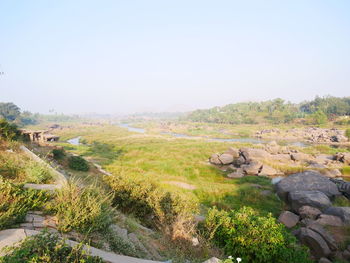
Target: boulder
{"points": [[317, 199], [301, 157], [239, 161], [282, 158], [332, 244], [324, 260], [214, 159], [252, 153], [329, 220], [267, 171], [288, 218], [226, 158], [239, 173], [342, 157], [233, 151], [309, 212], [306, 181], [342, 212], [253, 168], [318, 246]]}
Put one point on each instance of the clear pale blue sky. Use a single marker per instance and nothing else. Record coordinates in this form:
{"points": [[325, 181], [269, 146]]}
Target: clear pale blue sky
{"points": [[127, 56]]}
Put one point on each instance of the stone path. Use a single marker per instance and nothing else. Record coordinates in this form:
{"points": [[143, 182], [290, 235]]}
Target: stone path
{"points": [[11, 237]]}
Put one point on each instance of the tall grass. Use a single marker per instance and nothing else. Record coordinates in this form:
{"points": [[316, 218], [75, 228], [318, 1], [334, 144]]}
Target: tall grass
{"points": [[85, 210]]}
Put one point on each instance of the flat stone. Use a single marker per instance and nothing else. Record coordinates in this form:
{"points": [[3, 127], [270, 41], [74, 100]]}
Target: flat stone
{"points": [[329, 220], [9, 237], [342, 212], [306, 181], [309, 212], [318, 246], [237, 174], [253, 168], [317, 199], [288, 218]]}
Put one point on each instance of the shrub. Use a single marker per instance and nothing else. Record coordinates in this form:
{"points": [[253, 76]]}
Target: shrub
{"points": [[36, 173], [149, 202], [15, 202], [8, 131], [252, 237], [58, 154], [85, 210], [48, 248], [78, 163]]}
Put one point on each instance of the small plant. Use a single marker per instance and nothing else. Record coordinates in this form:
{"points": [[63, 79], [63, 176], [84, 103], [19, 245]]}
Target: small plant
{"points": [[48, 248], [58, 154], [8, 131], [85, 210], [78, 163], [254, 238]]}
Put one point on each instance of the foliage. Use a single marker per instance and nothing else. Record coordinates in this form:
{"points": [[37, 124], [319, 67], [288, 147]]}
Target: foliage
{"points": [[149, 202], [15, 202], [58, 154], [9, 111], [106, 153], [345, 170], [78, 163], [119, 245], [48, 248], [85, 210], [347, 133], [36, 173], [8, 131], [252, 237], [274, 111]]}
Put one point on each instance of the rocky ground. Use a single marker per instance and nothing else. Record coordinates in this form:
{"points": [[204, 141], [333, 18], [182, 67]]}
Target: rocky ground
{"points": [[312, 135]]}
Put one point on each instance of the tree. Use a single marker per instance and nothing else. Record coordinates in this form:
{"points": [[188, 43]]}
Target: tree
{"points": [[9, 111]]}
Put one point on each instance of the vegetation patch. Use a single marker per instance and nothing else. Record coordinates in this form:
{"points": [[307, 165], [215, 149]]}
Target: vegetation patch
{"points": [[85, 210], [15, 202], [78, 163], [48, 248], [243, 233]]}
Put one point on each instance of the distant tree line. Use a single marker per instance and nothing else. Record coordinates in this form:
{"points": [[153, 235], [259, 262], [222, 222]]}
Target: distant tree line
{"points": [[317, 111]]}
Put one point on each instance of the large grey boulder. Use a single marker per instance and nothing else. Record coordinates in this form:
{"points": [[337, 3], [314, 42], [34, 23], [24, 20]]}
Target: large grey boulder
{"points": [[332, 244], [318, 246], [306, 181], [342, 212], [317, 199], [329, 220]]}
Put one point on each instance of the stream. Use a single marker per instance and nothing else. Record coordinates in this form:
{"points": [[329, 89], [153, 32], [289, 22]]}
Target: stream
{"points": [[181, 135]]}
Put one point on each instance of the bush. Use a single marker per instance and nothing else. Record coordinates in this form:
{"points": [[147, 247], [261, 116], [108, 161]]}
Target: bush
{"points": [[48, 248], [243, 233], [78, 163], [8, 131], [85, 210], [58, 154], [153, 205], [15, 202], [36, 173]]}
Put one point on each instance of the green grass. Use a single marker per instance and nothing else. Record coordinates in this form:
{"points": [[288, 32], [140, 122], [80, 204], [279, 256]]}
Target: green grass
{"points": [[163, 158]]}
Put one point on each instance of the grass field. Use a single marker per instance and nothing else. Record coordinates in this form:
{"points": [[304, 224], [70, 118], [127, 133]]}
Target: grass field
{"points": [[173, 162]]}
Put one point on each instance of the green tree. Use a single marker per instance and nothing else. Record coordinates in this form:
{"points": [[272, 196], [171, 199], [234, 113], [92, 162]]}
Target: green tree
{"points": [[9, 111]]}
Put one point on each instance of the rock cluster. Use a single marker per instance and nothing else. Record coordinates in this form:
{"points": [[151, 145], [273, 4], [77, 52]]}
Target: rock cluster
{"points": [[313, 135], [309, 196], [254, 161]]}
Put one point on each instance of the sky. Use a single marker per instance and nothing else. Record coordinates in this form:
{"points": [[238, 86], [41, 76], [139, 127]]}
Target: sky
{"points": [[131, 56]]}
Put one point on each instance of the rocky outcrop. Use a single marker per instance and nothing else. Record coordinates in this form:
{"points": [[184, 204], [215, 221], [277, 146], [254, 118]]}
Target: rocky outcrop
{"points": [[309, 212], [342, 212], [318, 246], [306, 181]]}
